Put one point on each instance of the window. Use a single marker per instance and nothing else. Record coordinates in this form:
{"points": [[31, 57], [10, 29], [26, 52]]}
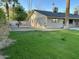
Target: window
{"points": [[54, 20], [70, 21]]}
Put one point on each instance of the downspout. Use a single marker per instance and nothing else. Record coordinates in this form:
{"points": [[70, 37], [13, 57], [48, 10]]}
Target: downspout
{"points": [[46, 22]]}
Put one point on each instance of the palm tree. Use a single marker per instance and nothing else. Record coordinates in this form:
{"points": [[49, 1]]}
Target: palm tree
{"points": [[67, 13]]}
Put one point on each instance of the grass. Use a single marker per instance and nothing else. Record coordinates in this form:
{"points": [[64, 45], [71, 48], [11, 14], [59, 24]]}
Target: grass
{"points": [[44, 45]]}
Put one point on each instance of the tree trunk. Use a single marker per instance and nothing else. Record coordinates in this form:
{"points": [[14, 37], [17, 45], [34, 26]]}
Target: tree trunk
{"points": [[7, 10], [67, 14]]}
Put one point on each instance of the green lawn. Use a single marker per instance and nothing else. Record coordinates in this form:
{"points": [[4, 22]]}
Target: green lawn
{"points": [[44, 45]]}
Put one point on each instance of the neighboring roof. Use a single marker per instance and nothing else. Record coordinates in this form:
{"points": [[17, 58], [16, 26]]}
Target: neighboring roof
{"points": [[61, 15]]}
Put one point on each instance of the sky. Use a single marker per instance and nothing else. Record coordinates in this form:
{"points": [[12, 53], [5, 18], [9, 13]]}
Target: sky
{"points": [[47, 4]]}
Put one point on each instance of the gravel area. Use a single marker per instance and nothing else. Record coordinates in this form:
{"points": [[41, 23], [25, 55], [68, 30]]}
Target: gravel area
{"points": [[5, 43]]}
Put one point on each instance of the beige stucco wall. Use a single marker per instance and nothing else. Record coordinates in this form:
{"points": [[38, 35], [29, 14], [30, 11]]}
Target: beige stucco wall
{"points": [[55, 24], [38, 20]]}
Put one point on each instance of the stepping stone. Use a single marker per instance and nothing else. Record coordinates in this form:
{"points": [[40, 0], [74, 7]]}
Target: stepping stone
{"points": [[2, 57], [6, 42]]}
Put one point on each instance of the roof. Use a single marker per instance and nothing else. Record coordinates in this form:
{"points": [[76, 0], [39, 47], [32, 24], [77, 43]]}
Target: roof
{"points": [[51, 14]]}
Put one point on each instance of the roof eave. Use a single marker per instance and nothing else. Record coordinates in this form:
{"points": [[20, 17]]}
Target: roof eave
{"points": [[54, 17]]}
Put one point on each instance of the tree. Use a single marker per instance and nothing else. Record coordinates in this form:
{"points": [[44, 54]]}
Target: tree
{"points": [[20, 14], [6, 6]]}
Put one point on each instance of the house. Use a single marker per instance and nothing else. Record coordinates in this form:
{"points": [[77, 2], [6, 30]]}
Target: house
{"points": [[50, 20]]}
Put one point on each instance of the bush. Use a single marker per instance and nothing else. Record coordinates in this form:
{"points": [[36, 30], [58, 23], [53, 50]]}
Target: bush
{"points": [[2, 16]]}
